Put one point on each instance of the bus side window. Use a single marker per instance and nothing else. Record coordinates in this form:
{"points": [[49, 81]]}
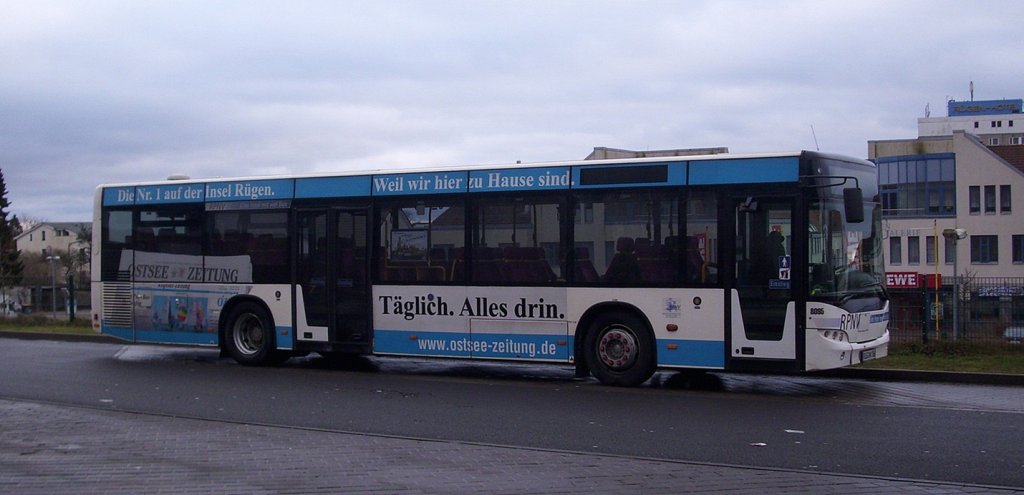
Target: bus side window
{"points": [[416, 239], [701, 257]]}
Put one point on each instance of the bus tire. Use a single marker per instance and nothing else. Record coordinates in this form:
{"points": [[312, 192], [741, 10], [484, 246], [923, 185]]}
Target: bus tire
{"points": [[249, 336], [619, 349]]}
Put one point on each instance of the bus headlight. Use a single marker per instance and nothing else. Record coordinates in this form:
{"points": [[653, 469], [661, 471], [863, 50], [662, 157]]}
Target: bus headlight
{"points": [[834, 335]]}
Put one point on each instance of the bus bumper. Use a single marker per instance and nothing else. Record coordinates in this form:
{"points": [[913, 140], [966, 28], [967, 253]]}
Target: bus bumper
{"points": [[824, 353]]}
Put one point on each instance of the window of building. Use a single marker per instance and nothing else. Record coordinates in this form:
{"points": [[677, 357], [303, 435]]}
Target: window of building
{"points": [[929, 250], [1016, 140], [1018, 249], [43, 232], [990, 199], [975, 199], [584, 213], [976, 125], [950, 250], [984, 249], [1004, 198], [913, 250], [993, 141], [918, 185], [896, 250]]}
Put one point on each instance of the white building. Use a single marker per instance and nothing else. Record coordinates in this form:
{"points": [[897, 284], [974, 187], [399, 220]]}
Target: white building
{"points": [[52, 237], [997, 122], [960, 173]]}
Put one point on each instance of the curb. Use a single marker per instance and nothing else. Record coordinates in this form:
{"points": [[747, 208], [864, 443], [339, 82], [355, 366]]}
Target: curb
{"points": [[60, 337], [967, 378]]}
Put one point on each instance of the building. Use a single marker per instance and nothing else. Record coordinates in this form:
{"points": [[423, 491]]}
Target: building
{"points": [[48, 237], [997, 122], [964, 171]]}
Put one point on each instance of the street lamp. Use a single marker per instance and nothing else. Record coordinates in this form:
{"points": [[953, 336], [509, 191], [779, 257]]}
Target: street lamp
{"points": [[955, 235], [53, 283]]}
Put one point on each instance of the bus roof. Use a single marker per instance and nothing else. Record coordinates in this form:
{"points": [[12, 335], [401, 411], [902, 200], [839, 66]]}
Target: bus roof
{"points": [[698, 170], [180, 179]]}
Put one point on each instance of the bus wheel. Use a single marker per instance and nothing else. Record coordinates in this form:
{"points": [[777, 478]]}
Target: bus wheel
{"points": [[620, 349], [250, 336]]}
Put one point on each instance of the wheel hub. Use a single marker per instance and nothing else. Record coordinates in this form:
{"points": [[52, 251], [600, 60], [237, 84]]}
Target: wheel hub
{"points": [[248, 334], [617, 348]]}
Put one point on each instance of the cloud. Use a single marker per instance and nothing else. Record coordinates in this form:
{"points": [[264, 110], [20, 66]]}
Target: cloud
{"points": [[122, 91]]}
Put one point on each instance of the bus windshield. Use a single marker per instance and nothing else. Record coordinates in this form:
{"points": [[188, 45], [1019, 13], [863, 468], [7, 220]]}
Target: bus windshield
{"points": [[845, 259]]}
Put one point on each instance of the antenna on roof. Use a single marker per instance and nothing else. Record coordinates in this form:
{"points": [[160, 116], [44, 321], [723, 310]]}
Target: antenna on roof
{"points": [[815, 136]]}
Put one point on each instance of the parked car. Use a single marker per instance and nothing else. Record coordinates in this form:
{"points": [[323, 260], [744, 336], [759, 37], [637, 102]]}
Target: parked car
{"points": [[1014, 335]]}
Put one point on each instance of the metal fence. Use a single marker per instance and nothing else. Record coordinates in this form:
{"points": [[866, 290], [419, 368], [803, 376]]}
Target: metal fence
{"points": [[987, 311]]}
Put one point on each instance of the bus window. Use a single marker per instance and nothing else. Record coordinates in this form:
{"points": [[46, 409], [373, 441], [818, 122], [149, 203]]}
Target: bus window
{"points": [[117, 244], [633, 235], [261, 237], [517, 240], [422, 242], [166, 236], [701, 257]]}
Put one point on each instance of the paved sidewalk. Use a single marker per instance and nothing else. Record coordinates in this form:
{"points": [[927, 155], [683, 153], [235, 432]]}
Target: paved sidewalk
{"points": [[52, 449]]}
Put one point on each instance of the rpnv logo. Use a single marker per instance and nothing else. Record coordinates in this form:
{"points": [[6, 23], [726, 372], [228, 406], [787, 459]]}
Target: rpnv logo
{"points": [[902, 280]]}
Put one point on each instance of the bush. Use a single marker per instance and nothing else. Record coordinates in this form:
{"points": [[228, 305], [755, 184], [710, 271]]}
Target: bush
{"points": [[43, 320], [951, 348]]}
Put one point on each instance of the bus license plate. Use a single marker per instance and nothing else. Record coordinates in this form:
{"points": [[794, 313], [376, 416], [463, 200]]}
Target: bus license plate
{"points": [[867, 355]]}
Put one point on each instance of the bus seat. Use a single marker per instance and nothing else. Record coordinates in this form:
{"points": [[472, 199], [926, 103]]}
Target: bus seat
{"points": [[623, 268], [431, 273], [486, 264], [585, 272], [458, 266]]}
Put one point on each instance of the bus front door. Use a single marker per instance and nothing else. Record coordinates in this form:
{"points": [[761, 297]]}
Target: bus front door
{"points": [[333, 276], [763, 325]]}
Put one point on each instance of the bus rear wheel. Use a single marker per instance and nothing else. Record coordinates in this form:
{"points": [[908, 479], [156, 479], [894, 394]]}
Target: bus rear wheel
{"points": [[619, 350], [249, 336]]}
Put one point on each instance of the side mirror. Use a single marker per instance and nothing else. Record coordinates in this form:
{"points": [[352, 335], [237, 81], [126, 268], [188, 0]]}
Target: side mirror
{"points": [[853, 204]]}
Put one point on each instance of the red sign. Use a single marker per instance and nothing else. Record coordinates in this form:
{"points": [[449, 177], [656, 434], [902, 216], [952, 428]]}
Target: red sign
{"points": [[902, 280]]}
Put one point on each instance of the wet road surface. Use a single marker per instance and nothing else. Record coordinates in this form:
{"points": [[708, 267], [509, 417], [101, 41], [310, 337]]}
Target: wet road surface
{"points": [[967, 434]]}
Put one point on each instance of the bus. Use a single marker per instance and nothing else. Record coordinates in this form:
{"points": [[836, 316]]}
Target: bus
{"points": [[618, 268]]}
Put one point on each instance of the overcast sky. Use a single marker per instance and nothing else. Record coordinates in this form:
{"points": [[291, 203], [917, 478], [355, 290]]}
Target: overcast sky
{"points": [[94, 92]]}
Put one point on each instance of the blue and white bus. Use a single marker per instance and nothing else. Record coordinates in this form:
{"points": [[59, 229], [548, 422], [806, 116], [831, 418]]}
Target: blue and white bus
{"points": [[767, 262]]}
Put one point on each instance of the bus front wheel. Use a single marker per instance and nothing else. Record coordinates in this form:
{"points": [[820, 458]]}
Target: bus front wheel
{"points": [[250, 336], [620, 350]]}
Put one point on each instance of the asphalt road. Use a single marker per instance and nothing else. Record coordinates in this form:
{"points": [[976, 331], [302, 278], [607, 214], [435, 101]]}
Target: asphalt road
{"points": [[942, 432]]}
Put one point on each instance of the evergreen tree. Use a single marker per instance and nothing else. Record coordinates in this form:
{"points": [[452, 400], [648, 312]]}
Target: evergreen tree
{"points": [[15, 224], [11, 266]]}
